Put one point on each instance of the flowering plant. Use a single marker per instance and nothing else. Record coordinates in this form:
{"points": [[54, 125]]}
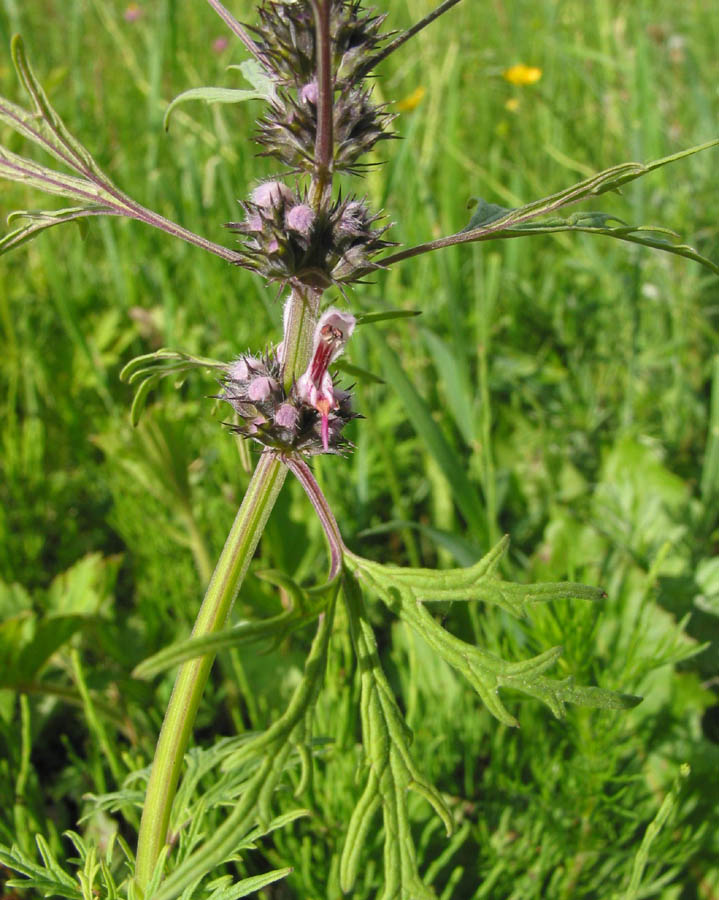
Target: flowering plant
{"points": [[311, 63]]}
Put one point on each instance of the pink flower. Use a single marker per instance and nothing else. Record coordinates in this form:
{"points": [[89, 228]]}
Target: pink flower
{"points": [[309, 93], [300, 218], [287, 416], [315, 386], [133, 12], [220, 44], [261, 388], [271, 193]]}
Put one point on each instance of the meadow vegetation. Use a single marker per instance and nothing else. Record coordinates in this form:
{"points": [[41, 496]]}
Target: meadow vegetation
{"points": [[563, 390]]}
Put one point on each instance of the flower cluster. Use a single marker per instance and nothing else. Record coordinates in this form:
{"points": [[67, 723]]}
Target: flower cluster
{"points": [[308, 418], [285, 238], [287, 241], [286, 38]]}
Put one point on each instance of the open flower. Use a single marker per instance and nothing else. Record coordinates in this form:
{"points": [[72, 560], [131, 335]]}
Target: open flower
{"points": [[522, 74], [315, 386]]}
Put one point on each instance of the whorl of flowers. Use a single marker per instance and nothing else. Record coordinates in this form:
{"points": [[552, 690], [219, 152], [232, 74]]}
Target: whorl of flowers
{"points": [[287, 241], [286, 38], [308, 418]]}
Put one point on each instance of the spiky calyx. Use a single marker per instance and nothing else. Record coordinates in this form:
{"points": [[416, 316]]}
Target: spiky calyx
{"points": [[286, 39], [286, 241], [288, 129]]}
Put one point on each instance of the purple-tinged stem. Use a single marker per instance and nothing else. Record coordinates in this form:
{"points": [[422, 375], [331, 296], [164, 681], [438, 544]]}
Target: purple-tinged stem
{"points": [[156, 220], [303, 473], [322, 180], [405, 36]]}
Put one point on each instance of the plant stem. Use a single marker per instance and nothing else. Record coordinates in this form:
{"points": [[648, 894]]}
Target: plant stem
{"points": [[229, 572], [192, 677], [301, 314], [324, 152], [405, 36]]}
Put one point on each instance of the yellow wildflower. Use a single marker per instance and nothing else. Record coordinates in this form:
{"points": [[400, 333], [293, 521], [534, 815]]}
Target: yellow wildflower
{"points": [[522, 74], [512, 104], [411, 101]]}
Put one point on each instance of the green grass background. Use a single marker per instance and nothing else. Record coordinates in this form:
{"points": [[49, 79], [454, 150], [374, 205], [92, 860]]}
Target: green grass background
{"points": [[569, 379]]}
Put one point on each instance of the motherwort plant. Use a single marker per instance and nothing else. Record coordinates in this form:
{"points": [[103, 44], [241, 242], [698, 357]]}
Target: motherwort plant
{"points": [[310, 61]]}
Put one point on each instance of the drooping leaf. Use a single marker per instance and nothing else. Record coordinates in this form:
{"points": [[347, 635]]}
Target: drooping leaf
{"points": [[88, 186], [257, 76], [391, 771], [149, 369], [39, 220]]}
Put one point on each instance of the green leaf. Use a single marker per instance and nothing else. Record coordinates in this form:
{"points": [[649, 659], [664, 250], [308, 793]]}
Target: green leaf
{"points": [[49, 880], [44, 126], [250, 885], [392, 771], [485, 213], [357, 372], [491, 222], [406, 591], [150, 368], [210, 95], [272, 749], [387, 315], [50, 635], [257, 77], [39, 220], [275, 629]]}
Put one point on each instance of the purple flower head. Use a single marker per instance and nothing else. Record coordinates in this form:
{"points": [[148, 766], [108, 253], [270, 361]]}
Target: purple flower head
{"points": [[287, 416], [241, 368], [300, 218], [271, 193], [261, 387], [315, 386], [309, 93]]}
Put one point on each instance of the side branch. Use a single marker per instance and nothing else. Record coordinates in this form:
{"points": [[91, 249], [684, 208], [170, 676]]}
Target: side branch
{"points": [[239, 31], [405, 36]]}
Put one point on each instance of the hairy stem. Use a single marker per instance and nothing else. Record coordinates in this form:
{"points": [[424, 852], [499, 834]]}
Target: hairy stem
{"points": [[303, 473], [241, 32], [301, 314], [223, 588]]}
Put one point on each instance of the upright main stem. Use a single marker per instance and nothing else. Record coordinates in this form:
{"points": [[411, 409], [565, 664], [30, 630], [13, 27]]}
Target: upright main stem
{"points": [[265, 485], [225, 583]]}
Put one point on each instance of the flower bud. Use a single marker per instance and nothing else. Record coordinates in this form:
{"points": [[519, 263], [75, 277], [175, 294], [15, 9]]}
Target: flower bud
{"points": [[300, 218], [271, 193], [260, 388], [287, 416], [309, 93]]}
